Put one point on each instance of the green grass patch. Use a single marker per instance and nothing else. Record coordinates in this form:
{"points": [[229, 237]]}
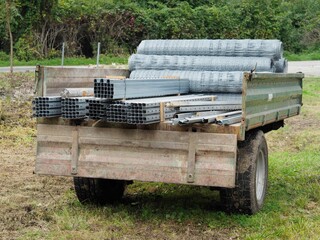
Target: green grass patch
{"points": [[74, 61], [306, 56]]}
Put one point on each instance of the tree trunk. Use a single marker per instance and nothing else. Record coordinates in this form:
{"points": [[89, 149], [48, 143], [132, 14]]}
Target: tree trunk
{"points": [[8, 16]]}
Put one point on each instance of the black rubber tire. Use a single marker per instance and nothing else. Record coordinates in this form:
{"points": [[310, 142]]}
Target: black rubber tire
{"points": [[98, 191], [243, 198]]}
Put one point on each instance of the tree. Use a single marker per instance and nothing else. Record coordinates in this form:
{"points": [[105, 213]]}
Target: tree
{"points": [[8, 22]]}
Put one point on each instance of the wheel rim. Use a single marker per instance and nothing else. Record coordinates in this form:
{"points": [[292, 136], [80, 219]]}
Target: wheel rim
{"points": [[260, 177]]}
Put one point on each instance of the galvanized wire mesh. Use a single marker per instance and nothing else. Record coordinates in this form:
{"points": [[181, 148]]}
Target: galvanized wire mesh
{"points": [[281, 66], [200, 63], [206, 47], [200, 81]]}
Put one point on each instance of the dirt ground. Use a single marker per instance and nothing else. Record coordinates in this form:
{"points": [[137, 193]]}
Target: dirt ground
{"points": [[25, 198], [309, 68]]}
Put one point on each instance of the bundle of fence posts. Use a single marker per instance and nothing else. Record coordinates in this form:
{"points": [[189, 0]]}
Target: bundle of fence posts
{"points": [[149, 110], [97, 108], [46, 107], [74, 108], [137, 88]]}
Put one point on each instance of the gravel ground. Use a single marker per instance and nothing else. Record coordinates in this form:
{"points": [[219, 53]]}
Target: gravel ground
{"points": [[309, 68]]}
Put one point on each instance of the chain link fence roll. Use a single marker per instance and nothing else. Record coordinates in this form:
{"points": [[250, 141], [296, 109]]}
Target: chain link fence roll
{"points": [[200, 81], [200, 63], [206, 47]]}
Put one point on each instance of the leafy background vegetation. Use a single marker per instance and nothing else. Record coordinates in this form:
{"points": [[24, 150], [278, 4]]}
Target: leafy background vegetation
{"points": [[40, 27]]}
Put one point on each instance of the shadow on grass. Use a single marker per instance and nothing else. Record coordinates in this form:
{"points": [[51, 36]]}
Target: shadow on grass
{"points": [[163, 203]]}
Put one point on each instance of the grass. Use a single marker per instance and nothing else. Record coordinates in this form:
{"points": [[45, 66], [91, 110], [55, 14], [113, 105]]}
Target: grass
{"points": [[74, 61], [110, 59], [167, 211], [16, 124], [306, 56]]}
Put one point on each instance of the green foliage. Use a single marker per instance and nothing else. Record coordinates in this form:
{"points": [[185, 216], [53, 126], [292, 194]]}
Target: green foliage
{"points": [[120, 25], [14, 18], [24, 50], [4, 57]]}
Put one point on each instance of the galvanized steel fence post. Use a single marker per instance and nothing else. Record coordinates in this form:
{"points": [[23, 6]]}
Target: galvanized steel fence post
{"points": [[98, 54], [62, 57]]}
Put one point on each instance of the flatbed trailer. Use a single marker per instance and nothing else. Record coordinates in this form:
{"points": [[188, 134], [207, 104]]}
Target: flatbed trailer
{"points": [[104, 157]]}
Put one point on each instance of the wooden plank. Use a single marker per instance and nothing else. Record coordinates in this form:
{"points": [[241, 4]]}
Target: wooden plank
{"points": [[234, 129], [151, 135], [101, 171], [55, 139], [134, 143], [115, 77], [53, 168], [225, 179], [135, 154], [83, 72], [54, 130], [55, 79]]}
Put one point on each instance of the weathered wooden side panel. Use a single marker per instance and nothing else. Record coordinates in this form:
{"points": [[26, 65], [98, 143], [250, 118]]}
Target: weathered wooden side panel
{"points": [[195, 158], [54, 79]]}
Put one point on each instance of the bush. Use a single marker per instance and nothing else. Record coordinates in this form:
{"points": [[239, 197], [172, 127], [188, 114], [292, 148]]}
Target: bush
{"points": [[24, 49], [121, 25], [4, 57]]}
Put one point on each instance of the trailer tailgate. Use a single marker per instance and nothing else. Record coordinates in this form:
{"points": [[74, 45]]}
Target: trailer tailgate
{"points": [[196, 158]]}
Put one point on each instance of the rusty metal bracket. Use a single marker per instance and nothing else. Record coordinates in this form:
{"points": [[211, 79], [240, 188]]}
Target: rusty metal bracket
{"points": [[75, 151], [191, 158]]}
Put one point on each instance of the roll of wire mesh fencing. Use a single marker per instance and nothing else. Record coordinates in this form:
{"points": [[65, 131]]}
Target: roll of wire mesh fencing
{"points": [[200, 81], [281, 66], [200, 63], [223, 47]]}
